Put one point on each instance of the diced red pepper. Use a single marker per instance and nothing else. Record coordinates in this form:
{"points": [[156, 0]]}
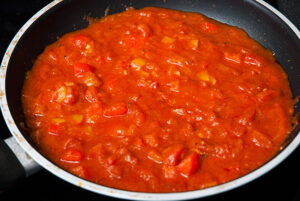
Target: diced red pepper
{"points": [[72, 156], [80, 68], [117, 109], [172, 154], [189, 165]]}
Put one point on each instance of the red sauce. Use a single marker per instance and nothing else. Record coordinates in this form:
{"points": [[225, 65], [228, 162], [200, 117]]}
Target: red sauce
{"points": [[157, 100]]}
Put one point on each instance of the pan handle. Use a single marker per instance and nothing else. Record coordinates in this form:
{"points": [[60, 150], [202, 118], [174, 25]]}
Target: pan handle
{"points": [[15, 163]]}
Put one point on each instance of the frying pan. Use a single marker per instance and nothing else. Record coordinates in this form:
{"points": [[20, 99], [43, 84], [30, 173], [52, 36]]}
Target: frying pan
{"points": [[18, 154]]}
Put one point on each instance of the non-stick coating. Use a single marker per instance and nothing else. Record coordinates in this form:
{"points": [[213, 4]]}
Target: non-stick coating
{"points": [[69, 15]]}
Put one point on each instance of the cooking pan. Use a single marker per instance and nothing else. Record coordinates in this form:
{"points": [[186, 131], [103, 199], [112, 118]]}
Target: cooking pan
{"points": [[18, 155]]}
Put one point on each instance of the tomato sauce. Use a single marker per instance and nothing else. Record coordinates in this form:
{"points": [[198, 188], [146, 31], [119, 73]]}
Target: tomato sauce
{"points": [[157, 100]]}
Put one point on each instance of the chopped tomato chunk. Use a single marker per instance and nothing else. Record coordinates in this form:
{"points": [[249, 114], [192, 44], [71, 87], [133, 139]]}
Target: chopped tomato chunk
{"points": [[72, 156], [91, 94], [145, 30], [260, 140], [65, 95], [172, 154], [253, 61], [189, 165], [209, 27], [94, 113], [266, 95], [81, 41], [53, 129], [81, 171], [154, 156], [80, 68], [233, 57], [89, 79], [116, 109], [169, 172]]}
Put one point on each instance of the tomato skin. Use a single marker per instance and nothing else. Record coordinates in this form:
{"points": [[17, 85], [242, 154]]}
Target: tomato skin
{"points": [[189, 165]]}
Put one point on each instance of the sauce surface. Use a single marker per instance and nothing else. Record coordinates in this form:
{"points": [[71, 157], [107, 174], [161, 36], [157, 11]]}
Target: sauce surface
{"points": [[157, 100]]}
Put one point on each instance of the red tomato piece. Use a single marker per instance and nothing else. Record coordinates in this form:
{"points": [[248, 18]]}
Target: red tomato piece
{"points": [[114, 171], [72, 143], [253, 61], [233, 57], [146, 174], [72, 156], [169, 172], [151, 140], [260, 139], [70, 96], [248, 116], [112, 83], [144, 30], [81, 41], [266, 95], [189, 165], [96, 152], [64, 94], [80, 68], [53, 129], [172, 154], [116, 109], [91, 95], [94, 112], [80, 171]]}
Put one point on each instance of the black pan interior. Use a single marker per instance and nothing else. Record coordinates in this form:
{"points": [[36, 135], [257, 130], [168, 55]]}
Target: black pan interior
{"points": [[69, 15]]}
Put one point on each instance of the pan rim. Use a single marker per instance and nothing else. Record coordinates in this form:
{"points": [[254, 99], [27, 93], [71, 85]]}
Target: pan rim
{"points": [[108, 191]]}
